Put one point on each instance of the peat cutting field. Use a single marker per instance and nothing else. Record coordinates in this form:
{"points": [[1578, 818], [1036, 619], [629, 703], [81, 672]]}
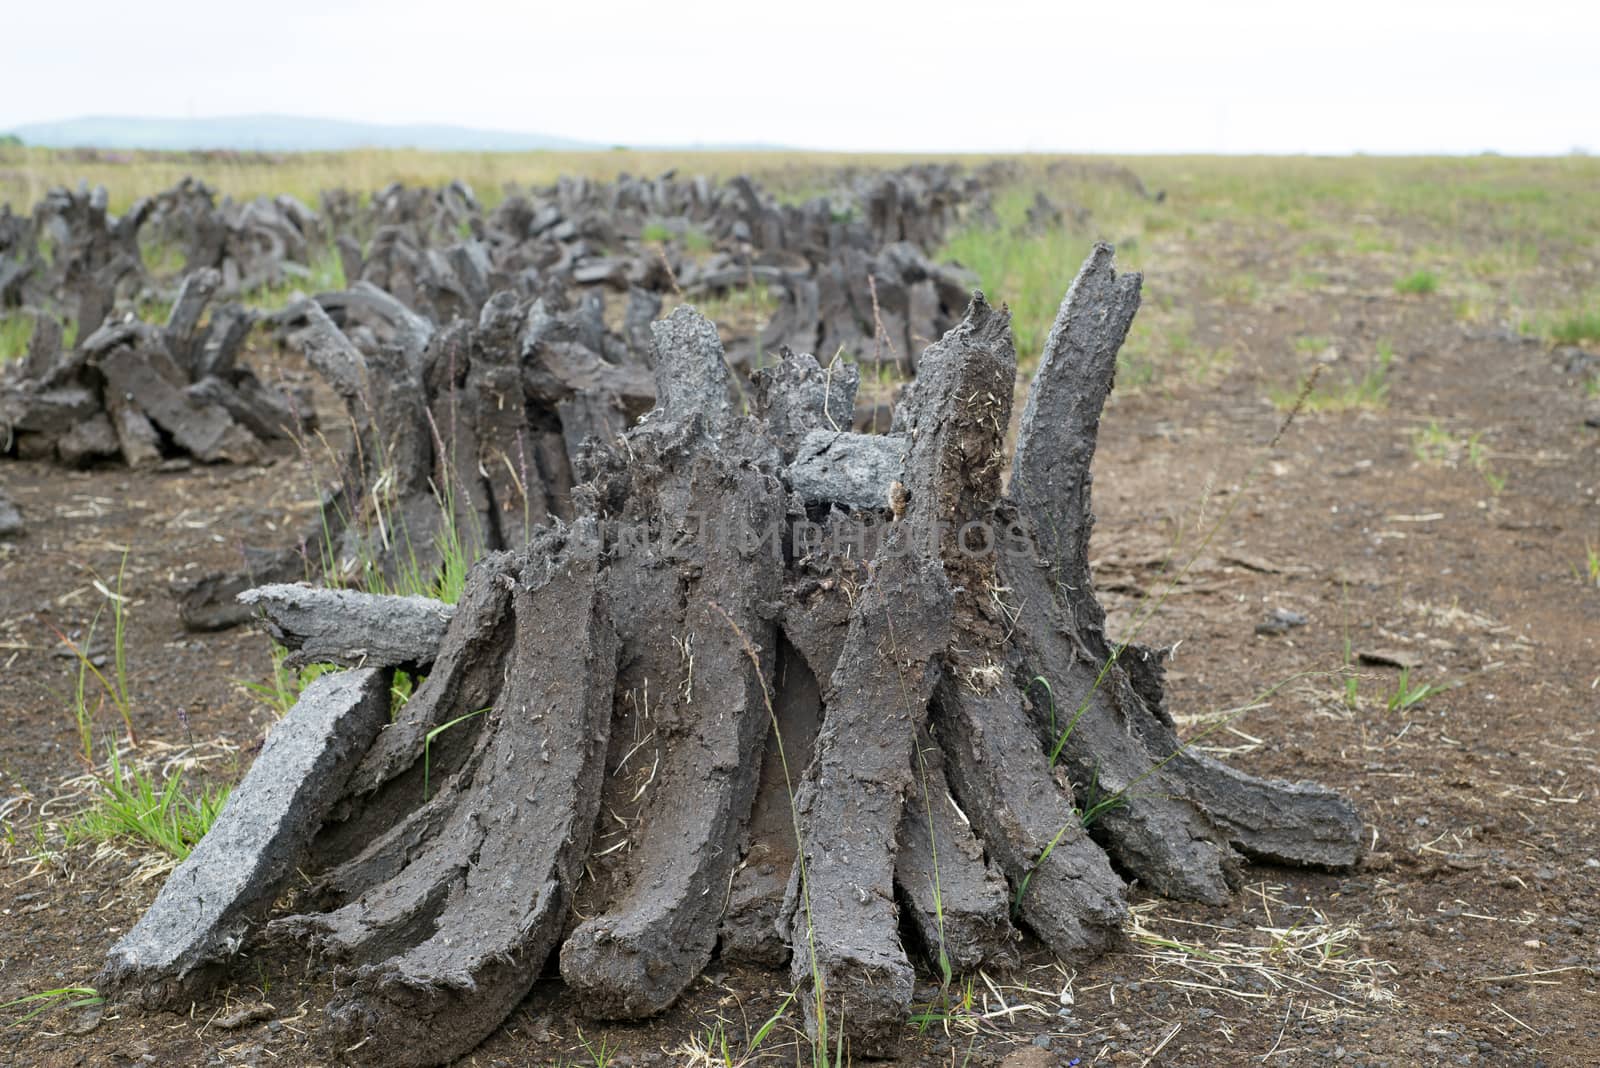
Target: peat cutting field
{"points": [[1347, 478]]}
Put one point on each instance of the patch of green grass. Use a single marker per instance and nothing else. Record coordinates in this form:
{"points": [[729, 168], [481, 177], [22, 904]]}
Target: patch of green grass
{"points": [[600, 1056], [1319, 246], [130, 804], [427, 744], [66, 997], [16, 330], [1242, 288], [1352, 682], [1591, 563], [1352, 692], [1207, 365], [414, 579], [1311, 343], [1161, 346], [324, 273], [154, 309], [1367, 241], [711, 1047], [1405, 695], [16, 333], [1029, 271], [162, 259], [401, 686], [413, 576], [1469, 310], [1435, 446], [113, 689], [1478, 459], [1577, 327], [1135, 372], [743, 308], [696, 241], [282, 690], [1369, 392], [1418, 283]]}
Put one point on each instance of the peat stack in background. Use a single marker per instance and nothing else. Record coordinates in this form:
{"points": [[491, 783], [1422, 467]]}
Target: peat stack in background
{"points": [[850, 272], [594, 766], [849, 275], [141, 392], [251, 244], [467, 436], [95, 255]]}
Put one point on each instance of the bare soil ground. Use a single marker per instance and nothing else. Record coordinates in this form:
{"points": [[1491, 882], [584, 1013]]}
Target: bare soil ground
{"points": [[1468, 937]]}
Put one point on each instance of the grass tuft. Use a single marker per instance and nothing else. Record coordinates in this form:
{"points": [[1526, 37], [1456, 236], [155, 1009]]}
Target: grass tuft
{"points": [[131, 805], [1418, 283], [16, 329], [1435, 446], [1591, 563], [325, 273], [1369, 392], [1405, 695], [66, 997], [114, 689], [1577, 327], [711, 1048]]}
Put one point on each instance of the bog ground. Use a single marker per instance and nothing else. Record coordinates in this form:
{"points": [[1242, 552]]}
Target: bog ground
{"points": [[1398, 597]]}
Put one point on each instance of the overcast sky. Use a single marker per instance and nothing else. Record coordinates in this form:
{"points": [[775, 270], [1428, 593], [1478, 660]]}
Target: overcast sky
{"points": [[1516, 76]]}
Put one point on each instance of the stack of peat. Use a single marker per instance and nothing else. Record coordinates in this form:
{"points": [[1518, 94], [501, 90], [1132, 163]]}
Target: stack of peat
{"points": [[260, 242], [734, 596], [855, 279], [142, 392], [473, 407], [466, 436]]}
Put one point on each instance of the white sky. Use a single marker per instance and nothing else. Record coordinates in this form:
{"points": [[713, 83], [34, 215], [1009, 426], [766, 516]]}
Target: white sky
{"points": [[1516, 76]]}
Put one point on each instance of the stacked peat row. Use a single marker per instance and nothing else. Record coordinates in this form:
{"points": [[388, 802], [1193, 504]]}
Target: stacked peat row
{"points": [[622, 803], [875, 307], [20, 261], [94, 256], [468, 435], [254, 243], [840, 292], [439, 255], [96, 260], [144, 393], [440, 214], [920, 204]]}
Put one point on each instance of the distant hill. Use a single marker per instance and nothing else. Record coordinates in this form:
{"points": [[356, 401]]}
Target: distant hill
{"points": [[276, 133]]}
